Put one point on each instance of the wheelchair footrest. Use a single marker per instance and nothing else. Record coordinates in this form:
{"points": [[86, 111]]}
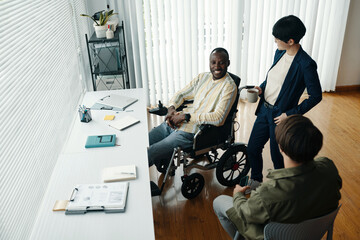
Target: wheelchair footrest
{"points": [[202, 167], [211, 165]]}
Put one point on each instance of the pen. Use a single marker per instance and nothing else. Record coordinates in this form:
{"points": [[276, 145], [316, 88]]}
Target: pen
{"points": [[130, 173]]}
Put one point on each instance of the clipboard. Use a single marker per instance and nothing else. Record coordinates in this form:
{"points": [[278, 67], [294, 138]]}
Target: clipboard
{"points": [[107, 197]]}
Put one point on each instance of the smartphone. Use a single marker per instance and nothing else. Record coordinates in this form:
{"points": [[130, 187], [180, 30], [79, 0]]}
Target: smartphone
{"points": [[244, 181]]}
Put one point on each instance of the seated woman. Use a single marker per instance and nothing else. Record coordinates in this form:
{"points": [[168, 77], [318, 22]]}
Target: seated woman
{"points": [[304, 189]]}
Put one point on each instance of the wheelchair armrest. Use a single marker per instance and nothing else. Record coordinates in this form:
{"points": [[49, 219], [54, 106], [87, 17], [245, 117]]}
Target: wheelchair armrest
{"points": [[204, 127], [162, 111], [159, 111], [184, 105]]}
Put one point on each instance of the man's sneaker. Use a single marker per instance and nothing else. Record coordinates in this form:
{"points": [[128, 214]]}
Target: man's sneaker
{"points": [[253, 184]]}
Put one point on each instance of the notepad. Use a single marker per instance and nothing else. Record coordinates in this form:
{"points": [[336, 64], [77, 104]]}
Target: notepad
{"points": [[124, 123], [107, 197], [119, 173], [109, 117], [60, 205]]}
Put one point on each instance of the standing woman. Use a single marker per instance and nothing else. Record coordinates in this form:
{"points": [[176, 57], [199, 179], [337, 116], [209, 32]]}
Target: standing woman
{"points": [[292, 71]]}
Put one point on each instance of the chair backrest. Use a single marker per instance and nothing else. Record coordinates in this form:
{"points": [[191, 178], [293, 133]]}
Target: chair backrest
{"points": [[313, 229], [237, 81]]}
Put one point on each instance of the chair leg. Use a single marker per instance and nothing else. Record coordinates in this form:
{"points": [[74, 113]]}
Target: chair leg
{"points": [[155, 190], [330, 232]]}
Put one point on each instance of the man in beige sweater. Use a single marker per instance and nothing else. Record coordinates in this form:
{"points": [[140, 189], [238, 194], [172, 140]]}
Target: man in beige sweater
{"points": [[213, 93]]}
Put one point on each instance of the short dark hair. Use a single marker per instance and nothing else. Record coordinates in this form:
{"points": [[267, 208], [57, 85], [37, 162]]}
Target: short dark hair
{"points": [[289, 27], [220, 49], [299, 138]]}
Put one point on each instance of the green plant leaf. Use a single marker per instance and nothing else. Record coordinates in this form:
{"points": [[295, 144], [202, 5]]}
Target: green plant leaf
{"points": [[108, 17], [101, 19], [84, 15]]}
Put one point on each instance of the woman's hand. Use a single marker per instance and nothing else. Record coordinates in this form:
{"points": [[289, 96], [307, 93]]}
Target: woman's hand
{"points": [[260, 90], [278, 119], [239, 188]]}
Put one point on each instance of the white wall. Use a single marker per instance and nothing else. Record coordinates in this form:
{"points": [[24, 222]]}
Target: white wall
{"points": [[349, 70]]}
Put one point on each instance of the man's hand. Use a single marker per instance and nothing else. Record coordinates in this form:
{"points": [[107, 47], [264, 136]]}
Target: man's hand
{"points": [[280, 118], [239, 188], [171, 112], [176, 119]]}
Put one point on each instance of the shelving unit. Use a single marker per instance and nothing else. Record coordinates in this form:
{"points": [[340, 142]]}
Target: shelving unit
{"points": [[108, 61]]}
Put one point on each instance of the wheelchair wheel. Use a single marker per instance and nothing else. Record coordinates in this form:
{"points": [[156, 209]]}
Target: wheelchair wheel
{"points": [[232, 165], [192, 185]]}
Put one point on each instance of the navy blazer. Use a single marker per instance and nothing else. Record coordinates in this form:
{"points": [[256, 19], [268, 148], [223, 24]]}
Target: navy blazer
{"points": [[302, 73]]}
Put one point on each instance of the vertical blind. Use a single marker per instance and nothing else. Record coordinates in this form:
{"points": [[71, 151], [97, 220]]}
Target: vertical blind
{"points": [[39, 89], [176, 37]]}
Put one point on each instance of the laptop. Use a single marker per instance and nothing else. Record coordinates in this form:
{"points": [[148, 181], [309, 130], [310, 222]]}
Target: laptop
{"points": [[117, 101]]}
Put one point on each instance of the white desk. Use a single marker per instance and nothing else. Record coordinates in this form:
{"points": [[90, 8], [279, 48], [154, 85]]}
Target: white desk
{"points": [[80, 166], [98, 126]]}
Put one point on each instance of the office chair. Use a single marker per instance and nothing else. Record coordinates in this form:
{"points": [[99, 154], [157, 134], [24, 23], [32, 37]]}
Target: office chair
{"points": [[230, 167], [313, 229]]}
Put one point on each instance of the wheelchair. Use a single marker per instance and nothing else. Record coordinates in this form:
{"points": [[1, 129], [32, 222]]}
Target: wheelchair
{"points": [[230, 167]]}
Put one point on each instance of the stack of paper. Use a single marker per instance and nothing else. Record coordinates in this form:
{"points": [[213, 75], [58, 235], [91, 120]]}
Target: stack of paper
{"points": [[119, 173]]}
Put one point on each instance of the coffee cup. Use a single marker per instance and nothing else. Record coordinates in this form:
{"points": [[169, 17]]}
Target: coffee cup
{"points": [[252, 95]]}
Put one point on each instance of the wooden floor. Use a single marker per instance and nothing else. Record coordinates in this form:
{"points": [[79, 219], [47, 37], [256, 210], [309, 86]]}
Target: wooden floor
{"points": [[337, 116]]}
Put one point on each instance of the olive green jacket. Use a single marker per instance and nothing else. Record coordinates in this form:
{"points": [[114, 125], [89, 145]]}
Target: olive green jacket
{"points": [[291, 195]]}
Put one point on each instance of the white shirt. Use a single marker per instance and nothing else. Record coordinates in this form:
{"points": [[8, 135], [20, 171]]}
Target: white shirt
{"points": [[276, 77]]}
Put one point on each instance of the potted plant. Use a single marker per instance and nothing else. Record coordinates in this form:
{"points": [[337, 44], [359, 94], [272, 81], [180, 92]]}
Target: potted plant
{"points": [[101, 20]]}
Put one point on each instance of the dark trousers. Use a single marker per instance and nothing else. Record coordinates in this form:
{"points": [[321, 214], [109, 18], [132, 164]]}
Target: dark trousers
{"points": [[263, 129]]}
